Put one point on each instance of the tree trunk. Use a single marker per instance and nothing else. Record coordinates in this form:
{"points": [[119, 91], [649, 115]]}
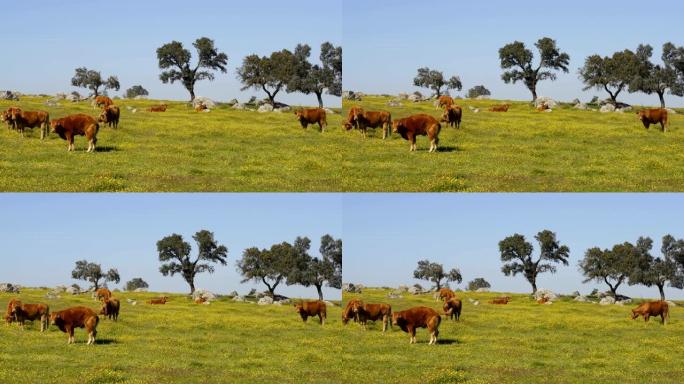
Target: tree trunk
{"points": [[534, 98], [319, 288], [661, 288], [661, 95], [439, 286], [192, 93], [192, 286], [534, 286], [319, 95]]}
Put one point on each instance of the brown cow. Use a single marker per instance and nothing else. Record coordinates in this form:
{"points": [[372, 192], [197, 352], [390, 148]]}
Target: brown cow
{"points": [[543, 300], [103, 101], [76, 317], [110, 116], [78, 124], [351, 117], [500, 300], [373, 312], [445, 102], [312, 308], [446, 294], [452, 116], [110, 308], [418, 125], [23, 312], [370, 119], [452, 308], [200, 300], [157, 108], [500, 108], [200, 107], [30, 119], [418, 317], [161, 300], [103, 293], [9, 315], [653, 308], [312, 116], [6, 117], [348, 313], [654, 116]]}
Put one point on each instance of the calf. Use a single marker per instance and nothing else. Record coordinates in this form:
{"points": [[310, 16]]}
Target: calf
{"points": [[348, 313], [161, 300], [452, 116], [30, 119], [23, 312], [312, 116], [653, 308], [110, 116], [500, 108], [312, 308], [418, 125], [418, 317], [452, 308], [446, 294], [500, 300], [110, 308], [76, 317], [654, 116], [157, 108], [73, 125], [369, 119], [373, 312]]}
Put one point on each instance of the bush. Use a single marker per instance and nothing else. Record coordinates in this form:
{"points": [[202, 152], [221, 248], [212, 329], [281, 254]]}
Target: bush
{"points": [[136, 283], [478, 283]]}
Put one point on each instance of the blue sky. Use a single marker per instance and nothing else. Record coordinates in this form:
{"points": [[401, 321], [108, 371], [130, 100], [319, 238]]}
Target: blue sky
{"points": [[44, 41], [386, 41], [386, 234], [43, 235]]}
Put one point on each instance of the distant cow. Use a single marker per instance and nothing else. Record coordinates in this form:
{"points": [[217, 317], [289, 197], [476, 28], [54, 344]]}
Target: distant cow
{"points": [[452, 116], [348, 312], [500, 300], [500, 108], [31, 312], [103, 101], [452, 308], [200, 107], [654, 116], [543, 300], [73, 125], [110, 116], [110, 308], [653, 308], [200, 300], [30, 119], [103, 293], [373, 312], [312, 116], [418, 125], [418, 317], [369, 119], [446, 294], [76, 317], [157, 108], [161, 300], [445, 102], [312, 308]]}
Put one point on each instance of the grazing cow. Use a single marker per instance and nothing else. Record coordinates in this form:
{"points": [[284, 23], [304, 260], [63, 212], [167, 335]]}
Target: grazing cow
{"points": [[157, 108], [348, 312], [76, 317], [500, 108], [373, 312], [23, 312], [500, 300], [312, 308], [351, 117], [653, 308], [654, 116], [9, 315], [371, 119], [452, 116], [452, 308], [445, 102], [78, 124], [30, 119], [312, 116], [161, 300], [110, 308], [418, 125], [103, 101], [418, 317], [110, 116], [446, 294], [103, 293]]}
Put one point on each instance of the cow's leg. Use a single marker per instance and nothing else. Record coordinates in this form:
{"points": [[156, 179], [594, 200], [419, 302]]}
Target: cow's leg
{"points": [[412, 332], [70, 141], [385, 318], [70, 332], [646, 316], [385, 128], [412, 140], [662, 126]]}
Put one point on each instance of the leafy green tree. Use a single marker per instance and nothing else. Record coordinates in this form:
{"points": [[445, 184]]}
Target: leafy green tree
{"points": [[271, 74], [516, 253], [434, 80], [612, 74], [478, 90], [92, 80], [174, 253], [176, 61], [136, 283], [136, 90], [319, 271], [478, 283], [316, 78], [656, 271], [435, 273], [518, 60], [655, 78], [93, 273]]}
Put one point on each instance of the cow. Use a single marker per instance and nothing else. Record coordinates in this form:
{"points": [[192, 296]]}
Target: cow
{"points": [[653, 308], [30, 119], [500, 108], [312, 308], [78, 124], [110, 116], [157, 108], [542, 107], [654, 116], [6, 117], [452, 116], [543, 300], [23, 312], [312, 116], [418, 317], [76, 317], [200, 107], [445, 102], [348, 313], [418, 125], [110, 308], [103, 101], [500, 300], [9, 315], [161, 300], [371, 119], [373, 312], [200, 300], [103, 293], [452, 308], [446, 294]]}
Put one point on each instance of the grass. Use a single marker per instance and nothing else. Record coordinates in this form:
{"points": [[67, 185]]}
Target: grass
{"points": [[180, 150], [522, 150], [522, 342], [180, 342]]}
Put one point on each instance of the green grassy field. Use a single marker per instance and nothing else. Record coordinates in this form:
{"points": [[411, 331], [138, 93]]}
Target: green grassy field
{"points": [[179, 150], [522, 150], [522, 342], [180, 342]]}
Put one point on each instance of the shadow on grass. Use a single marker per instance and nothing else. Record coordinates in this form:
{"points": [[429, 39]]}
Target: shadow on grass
{"points": [[105, 341], [447, 341], [447, 148], [106, 148]]}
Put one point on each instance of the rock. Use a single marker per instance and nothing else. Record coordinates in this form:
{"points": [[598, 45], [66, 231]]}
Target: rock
{"points": [[625, 301], [134, 302], [140, 97], [471, 300], [476, 110], [394, 103], [73, 290], [575, 294], [239, 106], [482, 290], [607, 108], [608, 300], [351, 288], [546, 294], [232, 102], [576, 101], [350, 95], [403, 288], [545, 100], [140, 290], [415, 290], [9, 95], [671, 303], [233, 294], [206, 110], [581, 106], [73, 98], [239, 298], [394, 296], [266, 300], [581, 299], [129, 300], [201, 100], [283, 302], [471, 107], [482, 97], [283, 109], [9, 288], [548, 303], [265, 108], [476, 302], [671, 111], [51, 103], [329, 303], [624, 109], [134, 110], [403, 96], [204, 294], [623, 298], [329, 111], [548, 110], [60, 289], [52, 296], [416, 97]]}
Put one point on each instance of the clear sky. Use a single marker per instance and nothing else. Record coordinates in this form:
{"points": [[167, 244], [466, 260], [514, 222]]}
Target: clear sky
{"points": [[44, 41], [385, 41], [386, 234], [43, 235]]}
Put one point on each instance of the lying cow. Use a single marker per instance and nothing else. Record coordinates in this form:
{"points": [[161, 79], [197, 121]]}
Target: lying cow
{"points": [[312, 308], [157, 108], [653, 308], [446, 294], [103, 101], [654, 116], [452, 116], [373, 312], [79, 124], [418, 317], [369, 119], [110, 116], [110, 308], [500, 300], [348, 312], [500, 108], [76, 317], [30, 312], [30, 119], [418, 125], [312, 116], [161, 300], [452, 308], [103, 293], [445, 102]]}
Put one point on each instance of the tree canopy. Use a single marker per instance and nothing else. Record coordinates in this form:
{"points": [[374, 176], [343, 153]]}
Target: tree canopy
{"points": [[92, 80], [612, 74], [613, 266], [657, 271], [319, 271], [478, 90], [434, 80], [136, 90], [273, 73], [317, 79], [478, 283], [434, 272], [136, 283], [656, 78], [93, 273]]}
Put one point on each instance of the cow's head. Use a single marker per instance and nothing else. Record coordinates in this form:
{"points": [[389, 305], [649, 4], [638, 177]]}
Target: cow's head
{"points": [[299, 308], [299, 113], [356, 113], [14, 112], [56, 125], [397, 318], [104, 116], [396, 125], [9, 319], [445, 115], [12, 307], [635, 314], [55, 318], [447, 308], [640, 115], [356, 306]]}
